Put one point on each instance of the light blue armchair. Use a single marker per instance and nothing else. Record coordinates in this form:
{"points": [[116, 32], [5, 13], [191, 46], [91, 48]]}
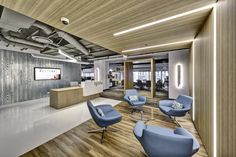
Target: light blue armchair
{"points": [[166, 106], [135, 105], [163, 142], [110, 116]]}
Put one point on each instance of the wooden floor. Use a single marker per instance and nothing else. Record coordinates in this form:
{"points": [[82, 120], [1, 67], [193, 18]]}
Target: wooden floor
{"points": [[78, 143]]}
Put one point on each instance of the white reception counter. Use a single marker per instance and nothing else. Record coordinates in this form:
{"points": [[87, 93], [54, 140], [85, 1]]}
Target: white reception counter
{"points": [[91, 87]]}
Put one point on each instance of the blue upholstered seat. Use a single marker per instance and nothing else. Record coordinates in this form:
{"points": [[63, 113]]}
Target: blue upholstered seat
{"points": [[166, 106], [133, 92], [163, 142], [111, 116]]}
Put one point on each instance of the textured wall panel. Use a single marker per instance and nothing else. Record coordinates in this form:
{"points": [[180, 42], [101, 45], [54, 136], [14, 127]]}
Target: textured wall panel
{"points": [[17, 77], [203, 72], [226, 78]]}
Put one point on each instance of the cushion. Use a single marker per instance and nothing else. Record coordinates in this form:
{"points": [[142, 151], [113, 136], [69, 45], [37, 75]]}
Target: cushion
{"points": [[165, 109], [133, 98], [100, 112], [177, 105]]}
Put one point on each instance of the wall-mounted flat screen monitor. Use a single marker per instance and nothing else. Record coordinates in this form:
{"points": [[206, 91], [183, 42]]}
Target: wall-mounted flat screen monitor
{"points": [[47, 73]]}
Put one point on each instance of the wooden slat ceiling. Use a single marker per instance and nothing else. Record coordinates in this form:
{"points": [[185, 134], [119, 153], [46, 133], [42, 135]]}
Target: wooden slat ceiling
{"points": [[97, 20]]}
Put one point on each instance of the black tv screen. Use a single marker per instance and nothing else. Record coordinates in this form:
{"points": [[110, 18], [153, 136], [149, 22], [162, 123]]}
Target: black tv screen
{"points": [[47, 73]]}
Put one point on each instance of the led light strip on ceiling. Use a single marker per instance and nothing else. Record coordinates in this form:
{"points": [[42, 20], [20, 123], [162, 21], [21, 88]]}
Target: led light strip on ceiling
{"points": [[155, 46], [66, 55], [164, 20]]}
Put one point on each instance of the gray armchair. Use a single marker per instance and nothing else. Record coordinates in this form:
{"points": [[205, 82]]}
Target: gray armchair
{"points": [[162, 142], [110, 116], [135, 105], [166, 106]]}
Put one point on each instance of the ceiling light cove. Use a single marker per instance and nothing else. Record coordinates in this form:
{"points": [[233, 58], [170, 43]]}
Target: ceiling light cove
{"points": [[155, 46], [164, 20]]}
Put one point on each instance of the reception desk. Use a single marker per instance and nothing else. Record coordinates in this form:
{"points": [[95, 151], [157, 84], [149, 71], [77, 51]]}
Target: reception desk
{"points": [[64, 97], [91, 87]]}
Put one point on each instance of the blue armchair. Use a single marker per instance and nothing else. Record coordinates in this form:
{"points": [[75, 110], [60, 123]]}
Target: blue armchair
{"points": [[109, 117], [166, 106], [162, 142], [135, 105]]}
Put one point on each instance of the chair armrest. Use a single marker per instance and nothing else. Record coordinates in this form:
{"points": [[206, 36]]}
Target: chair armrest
{"points": [[105, 108], [142, 98], [138, 129], [167, 103], [126, 98]]}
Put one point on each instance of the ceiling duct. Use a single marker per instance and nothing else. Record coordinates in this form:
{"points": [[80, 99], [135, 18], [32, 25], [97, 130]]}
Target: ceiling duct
{"points": [[22, 41], [14, 21], [73, 42], [18, 44], [8, 37], [43, 27], [63, 35]]}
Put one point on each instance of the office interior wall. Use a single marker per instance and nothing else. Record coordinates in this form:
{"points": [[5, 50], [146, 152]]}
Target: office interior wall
{"points": [[103, 67], [203, 83], [178, 57], [17, 77], [226, 78]]}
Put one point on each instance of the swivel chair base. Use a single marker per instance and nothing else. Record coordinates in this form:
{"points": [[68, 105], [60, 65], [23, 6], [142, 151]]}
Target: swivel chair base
{"points": [[139, 110], [102, 130], [175, 121]]}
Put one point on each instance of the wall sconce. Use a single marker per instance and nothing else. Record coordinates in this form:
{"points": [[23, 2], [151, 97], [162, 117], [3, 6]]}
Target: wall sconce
{"points": [[98, 74], [178, 75]]}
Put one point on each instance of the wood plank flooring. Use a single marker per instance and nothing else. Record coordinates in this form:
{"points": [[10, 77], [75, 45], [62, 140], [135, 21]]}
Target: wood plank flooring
{"points": [[78, 143]]}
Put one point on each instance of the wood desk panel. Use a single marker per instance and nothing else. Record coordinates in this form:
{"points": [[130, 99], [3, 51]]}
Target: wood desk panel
{"points": [[64, 97]]}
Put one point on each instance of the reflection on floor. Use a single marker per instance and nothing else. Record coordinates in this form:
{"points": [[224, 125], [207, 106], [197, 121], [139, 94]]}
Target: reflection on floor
{"points": [[78, 143], [118, 94], [26, 125]]}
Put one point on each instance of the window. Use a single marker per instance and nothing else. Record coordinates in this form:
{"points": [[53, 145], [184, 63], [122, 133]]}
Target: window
{"points": [[141, 75], [161, 75]]}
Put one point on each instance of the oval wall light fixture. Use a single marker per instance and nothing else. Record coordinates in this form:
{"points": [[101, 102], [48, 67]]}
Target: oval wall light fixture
{"points": [[179, 75]]}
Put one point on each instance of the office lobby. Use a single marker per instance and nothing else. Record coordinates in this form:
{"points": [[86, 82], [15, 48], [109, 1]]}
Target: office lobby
{"points": [[117, 78]]}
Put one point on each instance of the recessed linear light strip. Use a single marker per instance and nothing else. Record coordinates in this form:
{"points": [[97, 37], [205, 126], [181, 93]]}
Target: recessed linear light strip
{"points": [[164, 20], [214, 88], [155, 46], [193, 79], [66, 55]]}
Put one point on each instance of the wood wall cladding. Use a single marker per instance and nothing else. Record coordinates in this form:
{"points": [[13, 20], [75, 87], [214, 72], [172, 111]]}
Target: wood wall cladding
{"points": [[203, 71], [96, 21], [17, 77], [226, 78], [128, 72], [153, 78]]}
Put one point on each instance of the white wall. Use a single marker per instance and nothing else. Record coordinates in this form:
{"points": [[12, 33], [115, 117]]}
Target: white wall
{"points": [[178, 57], [104, 69]]}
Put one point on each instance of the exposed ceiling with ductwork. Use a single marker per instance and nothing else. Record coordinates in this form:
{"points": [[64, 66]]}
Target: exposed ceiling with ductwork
{"points": [[22, 33]]}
